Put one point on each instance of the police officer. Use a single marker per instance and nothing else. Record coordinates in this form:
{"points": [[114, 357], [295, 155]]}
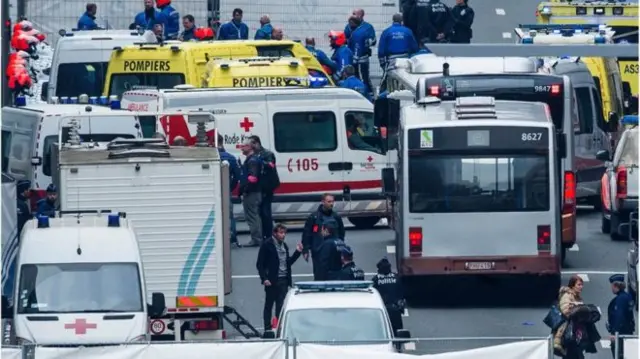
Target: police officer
{"points": [[349, 270], [47, 205], [619, 313], [342, 55], [462, 18], [388, 284], [321, 56], [433, 21], [329, 255], [396, 41], [234, 179], [24, 212], [350, 81], [360, 41], [171, 19]]}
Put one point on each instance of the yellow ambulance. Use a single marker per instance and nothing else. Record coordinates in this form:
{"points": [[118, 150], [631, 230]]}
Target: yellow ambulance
{"points": [[173, 63], [257, 72]]}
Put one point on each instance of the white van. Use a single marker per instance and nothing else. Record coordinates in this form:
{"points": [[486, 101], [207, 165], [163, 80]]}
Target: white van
{"points": [[80, 280], [80, 60], [29, 131], [310, 130]]}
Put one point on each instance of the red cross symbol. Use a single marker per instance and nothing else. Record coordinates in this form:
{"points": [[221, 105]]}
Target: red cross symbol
{"points": [[246, 124], [80, 326], [369, 158]]}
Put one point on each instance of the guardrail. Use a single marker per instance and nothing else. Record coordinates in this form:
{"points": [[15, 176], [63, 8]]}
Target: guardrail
{"points": [[628, 344]]}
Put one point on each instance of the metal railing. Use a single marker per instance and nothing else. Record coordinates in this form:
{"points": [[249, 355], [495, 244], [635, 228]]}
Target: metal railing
{"points": [[541, 346], [628, 345]]}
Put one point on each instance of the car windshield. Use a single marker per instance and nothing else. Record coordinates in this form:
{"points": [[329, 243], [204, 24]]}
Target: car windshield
{"points": [[129, 81], [80, 287], [81, 78], [335, 324]]}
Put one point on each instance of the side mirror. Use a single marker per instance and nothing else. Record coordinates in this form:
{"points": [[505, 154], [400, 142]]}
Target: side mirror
{"points": [[47, 72], [386, 112], [403, 334], [603, 155], [158, 305], [7, 310], [269, 334], [614, 122], [36, 161], [44, 91], [388, 181]]}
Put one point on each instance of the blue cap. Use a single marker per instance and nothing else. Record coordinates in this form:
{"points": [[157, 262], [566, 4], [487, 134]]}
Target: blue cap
{"points": [[616, 278], [346, 250], [23, 185], [52, 188]]}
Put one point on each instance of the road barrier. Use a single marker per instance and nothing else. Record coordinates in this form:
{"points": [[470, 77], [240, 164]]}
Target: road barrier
{"points": [[437, 348], [630, 346]]}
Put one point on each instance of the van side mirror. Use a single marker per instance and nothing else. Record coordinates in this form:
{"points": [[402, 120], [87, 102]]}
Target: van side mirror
{"points": [[44, 91], [7, 310], [603, 155], [269, 334], [386, 112], [388, 182], [158, 305], [614, 122]]}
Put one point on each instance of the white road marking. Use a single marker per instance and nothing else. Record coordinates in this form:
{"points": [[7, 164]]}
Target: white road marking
{"points": [[585, 277], [406, 312], [410, 346], [391, 249], [575, 248], [506, 35], [599, 310], [309, 275], [500, 12], [606, 344], [596, 272]]}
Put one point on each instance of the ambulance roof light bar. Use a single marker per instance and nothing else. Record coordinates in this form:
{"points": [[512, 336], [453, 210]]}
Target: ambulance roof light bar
{"points": [[332, 286]]}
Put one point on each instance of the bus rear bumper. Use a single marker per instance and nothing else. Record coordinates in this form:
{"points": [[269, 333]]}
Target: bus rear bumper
{"points": [[512, 265]]}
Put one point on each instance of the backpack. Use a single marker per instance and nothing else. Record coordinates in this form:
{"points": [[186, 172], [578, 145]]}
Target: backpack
{"points": [[269, 178]]}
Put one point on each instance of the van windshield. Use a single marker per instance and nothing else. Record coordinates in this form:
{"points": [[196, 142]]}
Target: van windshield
{"points": [[81, 78], [126, 82], [450, 183], [80, 287]]}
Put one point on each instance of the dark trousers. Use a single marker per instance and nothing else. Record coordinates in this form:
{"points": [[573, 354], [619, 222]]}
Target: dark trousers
{"points": [[274, 294], [266, 216], [573, 352], [395, 316], [619, 346], [318, 272], [362, 72]]}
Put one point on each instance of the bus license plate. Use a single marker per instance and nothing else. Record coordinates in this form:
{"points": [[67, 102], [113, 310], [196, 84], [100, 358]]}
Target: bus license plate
{"points": [[479, 265]]}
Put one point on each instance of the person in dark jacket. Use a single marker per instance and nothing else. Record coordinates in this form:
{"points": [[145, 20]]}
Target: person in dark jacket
{"points": [[188, 34], [88, 20], [462, 17], [274, 268], [321, 56], [329, 256], [47, 205], [388, 284], [148, 17], [23, 189], [432, 20], [234, 29], [312, 237], [234, 179], [349, 270], [351, 81], [170, 18], [251, 191], [264, 32], [270, 182], [619, 314]]}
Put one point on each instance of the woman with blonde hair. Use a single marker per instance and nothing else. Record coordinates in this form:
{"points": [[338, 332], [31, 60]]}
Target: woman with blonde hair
{"points": [[568, 299]]}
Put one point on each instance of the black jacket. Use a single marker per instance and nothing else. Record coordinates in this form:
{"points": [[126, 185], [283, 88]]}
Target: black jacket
{"points": [[348, 271], [312, 234], [328, 257], [431, 17], [270, 178], [388, 284], [24, 213], [268, 263], [462, 19]]}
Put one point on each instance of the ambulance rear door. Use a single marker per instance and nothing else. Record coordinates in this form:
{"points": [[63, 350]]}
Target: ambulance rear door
{"points": [[307, 142]]}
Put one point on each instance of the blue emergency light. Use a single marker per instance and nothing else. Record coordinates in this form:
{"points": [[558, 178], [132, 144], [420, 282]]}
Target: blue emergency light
{"points": [[21, 101], [104, 100], [334, 285], [550, 27], [64, 100], [317, 82], [630, 120], [599, 40], [113, 220], [527, 40], [43, 221], [93, 100], [115, 104], [73, 100]]}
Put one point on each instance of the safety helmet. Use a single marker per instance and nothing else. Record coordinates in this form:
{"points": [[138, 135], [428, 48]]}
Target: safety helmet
{"points": [[337, 37], [23, 185], [203, 33], [161, 3]]}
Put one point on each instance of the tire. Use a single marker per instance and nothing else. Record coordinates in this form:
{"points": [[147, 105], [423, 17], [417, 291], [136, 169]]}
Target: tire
{"points": [[613, 230], [597, 203], [606, 225], [364, 222]]}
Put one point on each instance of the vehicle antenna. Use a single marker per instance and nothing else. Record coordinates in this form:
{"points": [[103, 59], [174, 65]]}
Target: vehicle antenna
{"points": [[445, 69]]}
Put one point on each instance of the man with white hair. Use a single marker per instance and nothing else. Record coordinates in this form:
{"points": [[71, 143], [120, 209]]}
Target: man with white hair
{"points": [[277, 33], [251, 191], [264, 32]]}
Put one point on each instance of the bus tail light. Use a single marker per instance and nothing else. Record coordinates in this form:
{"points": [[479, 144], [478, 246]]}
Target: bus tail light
{"points": [[415, 241], [569, 205], [544, 238], [621, 182], [555, 89], [434, 91]]}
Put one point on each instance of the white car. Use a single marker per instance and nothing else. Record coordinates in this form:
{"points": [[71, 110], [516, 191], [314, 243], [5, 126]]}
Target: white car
{"points": [[339, 312]]}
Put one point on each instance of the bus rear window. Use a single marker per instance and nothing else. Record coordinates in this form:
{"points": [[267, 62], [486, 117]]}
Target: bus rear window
{"points": [[454, 183], [126, 82]]}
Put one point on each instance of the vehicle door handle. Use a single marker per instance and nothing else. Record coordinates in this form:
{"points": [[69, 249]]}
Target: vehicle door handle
{"points": [[336, 166], [348, 166]]}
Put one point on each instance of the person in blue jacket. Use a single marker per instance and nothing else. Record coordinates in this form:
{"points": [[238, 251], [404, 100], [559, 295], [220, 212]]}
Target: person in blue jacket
{"points": [[148, 17], [351, 81], [265, 30], [234, 29], [47, 205], [88, 20], [360, 41], [342, 55], [396, 41], [234, 179], [619, 314], [321, 56], [170, 18]]}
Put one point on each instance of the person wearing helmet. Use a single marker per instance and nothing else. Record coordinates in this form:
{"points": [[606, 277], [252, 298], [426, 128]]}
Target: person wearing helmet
{"points": [[349, 270], [234, 29], [388, 284], [342, 55], [47, 205], [350, 81], [170, 18], [23, 188], [148, 17], [88, 20], [360, 41], [321, 56]]}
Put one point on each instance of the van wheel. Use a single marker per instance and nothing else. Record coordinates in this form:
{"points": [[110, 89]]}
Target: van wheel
{"points": [[613, 228], [364, 222]]}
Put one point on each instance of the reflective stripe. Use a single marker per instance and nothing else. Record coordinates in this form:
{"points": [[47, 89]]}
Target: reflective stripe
{"points": [[397, 56], [197, 301]]}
